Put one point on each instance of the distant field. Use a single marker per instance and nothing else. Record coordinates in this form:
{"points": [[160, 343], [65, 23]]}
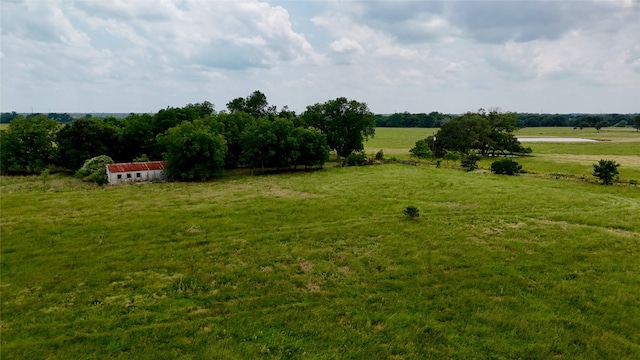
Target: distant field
{"points": [[567, 159]]}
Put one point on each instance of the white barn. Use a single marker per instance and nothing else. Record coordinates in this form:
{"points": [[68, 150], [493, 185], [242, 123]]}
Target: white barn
{"points": [[138, 171]]}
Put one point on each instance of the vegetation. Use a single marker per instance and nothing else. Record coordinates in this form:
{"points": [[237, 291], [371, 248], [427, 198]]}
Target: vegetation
{"points": [[485, 132], [411, 212], [193, 151], [192, 139], [421, 150], [346, 123], [606, 171], [506, 166], [436, 119], [470, 161], [95, 169], [26, 147]]}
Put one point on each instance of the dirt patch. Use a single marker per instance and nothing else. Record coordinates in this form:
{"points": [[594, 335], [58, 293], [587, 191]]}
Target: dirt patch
{"points": [[306, 265], [266, 269], [312, 286]]}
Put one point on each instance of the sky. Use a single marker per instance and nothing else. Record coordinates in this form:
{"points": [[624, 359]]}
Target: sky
{"points": [[570, 56]]}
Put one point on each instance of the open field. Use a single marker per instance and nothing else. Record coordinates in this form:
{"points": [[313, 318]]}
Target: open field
{"points": [[574, 160], [321, 265]]}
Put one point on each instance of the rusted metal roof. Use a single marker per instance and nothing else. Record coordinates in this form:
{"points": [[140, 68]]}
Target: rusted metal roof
{"points": [[136, 166]]}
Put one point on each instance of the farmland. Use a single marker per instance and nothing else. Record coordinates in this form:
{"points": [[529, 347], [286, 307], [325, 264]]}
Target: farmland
{"points": [[324, 265]]}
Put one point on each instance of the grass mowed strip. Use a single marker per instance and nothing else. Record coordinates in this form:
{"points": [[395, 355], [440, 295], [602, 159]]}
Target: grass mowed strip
{"points": [[321, 265]]}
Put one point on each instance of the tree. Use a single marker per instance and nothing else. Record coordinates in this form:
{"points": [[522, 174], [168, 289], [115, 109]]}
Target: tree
{"points": [[312, 147], [506, 166], [193, 152], [137, 136], [600, 124], [255, 105], [487, 133], [346, 123], [606, 171], [636, 122], [470, 161], [234, 125], [421, 149], [83, 139], [27, 146], [270, 144]]}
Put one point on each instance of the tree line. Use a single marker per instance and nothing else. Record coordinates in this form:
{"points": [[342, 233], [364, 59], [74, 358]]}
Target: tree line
{"points": [[436, 119], [196, 141]]}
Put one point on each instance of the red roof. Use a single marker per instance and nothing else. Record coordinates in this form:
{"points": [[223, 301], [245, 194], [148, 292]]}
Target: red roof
{"points": [[137, 166]]}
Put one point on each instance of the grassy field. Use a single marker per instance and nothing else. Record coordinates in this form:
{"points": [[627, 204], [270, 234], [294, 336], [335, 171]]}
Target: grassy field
{"points": [[574, 160], [323, 265]]}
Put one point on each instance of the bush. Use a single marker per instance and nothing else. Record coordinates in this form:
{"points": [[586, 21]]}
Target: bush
{"points": [[506, 166], [411, 212], [95, 169], [355, 159], [421, 149], [380, 155], [470, 161], [452, 156], [606, 171]]}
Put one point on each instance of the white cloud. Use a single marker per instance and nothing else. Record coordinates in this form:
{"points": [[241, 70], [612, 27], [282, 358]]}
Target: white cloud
{"points": [[145, 55]]}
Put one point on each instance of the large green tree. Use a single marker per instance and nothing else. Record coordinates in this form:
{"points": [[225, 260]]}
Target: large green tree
{"points": [[270, 144], [27, 146], [312, 147], [193, 152], [84, 139], [485, 132], [255, 105], [345, 123], [234, 124], [137, 137]]}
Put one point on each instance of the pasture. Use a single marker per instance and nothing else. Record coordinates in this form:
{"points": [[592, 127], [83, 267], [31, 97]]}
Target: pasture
{"points": [[323, 265]]}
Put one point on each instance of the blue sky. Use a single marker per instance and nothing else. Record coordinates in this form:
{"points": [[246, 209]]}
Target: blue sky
{"points": [[416, 56]]}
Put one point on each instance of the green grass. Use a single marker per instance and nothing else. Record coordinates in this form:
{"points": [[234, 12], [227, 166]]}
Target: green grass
{"points": [[562, 160], [321, 265]]}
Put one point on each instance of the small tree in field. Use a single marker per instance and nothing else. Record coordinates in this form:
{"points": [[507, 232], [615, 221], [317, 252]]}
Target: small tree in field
{"points": [[421, 149], [411, 212], [606, 171], [506, 166], [470, 161]]}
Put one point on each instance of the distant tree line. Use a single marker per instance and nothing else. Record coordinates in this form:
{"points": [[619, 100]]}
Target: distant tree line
{"points": [[196, 141], [7, 117], [436, 119]]}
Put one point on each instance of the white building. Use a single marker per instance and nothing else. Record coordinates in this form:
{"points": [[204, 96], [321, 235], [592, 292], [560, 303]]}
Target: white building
{"points": [[138, 171]]}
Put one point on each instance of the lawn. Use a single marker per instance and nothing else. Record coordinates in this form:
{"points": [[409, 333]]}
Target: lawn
{"points": [[321, 265]]}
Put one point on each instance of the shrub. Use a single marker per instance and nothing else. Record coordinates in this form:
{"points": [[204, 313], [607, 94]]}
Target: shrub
{"points": [[380, 155], [411, 212], [421, 149], [452, 156], [355, 159], [506, 166], [95, 169], [470, 161], [141, 158], [606, 171]]}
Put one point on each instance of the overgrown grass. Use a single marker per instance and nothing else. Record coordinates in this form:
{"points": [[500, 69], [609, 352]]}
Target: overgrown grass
{"points": [[321, 265]]}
